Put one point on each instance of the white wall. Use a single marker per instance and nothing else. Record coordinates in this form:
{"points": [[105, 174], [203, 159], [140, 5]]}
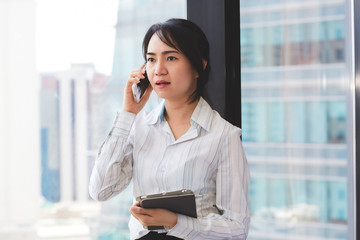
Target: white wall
{"points": [[19, 120]]}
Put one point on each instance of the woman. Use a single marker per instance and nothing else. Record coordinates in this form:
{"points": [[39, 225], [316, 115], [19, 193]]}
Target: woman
{"points": [[182, 144]]}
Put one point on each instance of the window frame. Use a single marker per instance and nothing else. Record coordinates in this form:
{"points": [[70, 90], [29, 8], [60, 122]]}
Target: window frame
{"points": [[220, 20]]}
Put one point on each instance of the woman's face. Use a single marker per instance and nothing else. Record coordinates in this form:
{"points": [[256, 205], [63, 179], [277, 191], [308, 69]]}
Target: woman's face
{"points": [[170, 72]]}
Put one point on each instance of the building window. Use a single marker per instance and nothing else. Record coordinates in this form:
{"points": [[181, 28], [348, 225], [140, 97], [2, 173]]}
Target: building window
{"points": [[294, 88]]}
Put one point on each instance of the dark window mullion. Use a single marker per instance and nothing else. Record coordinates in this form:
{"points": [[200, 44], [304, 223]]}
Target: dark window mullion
{"points": [[232, 57], [220, 20]]}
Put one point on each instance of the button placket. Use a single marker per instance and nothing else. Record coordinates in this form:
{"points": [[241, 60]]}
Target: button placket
{"points": [[163, 167]]}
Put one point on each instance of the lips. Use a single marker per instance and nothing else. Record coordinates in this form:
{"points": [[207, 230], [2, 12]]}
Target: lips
{"points": [[162, 82]]}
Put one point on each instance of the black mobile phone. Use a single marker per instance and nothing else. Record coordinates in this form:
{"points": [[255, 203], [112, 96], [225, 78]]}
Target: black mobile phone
{"points": [[140, 88], [143, 84]]}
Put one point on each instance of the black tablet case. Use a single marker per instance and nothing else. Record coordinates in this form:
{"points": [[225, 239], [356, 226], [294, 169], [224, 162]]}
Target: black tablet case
{"points": [[181, 202]]}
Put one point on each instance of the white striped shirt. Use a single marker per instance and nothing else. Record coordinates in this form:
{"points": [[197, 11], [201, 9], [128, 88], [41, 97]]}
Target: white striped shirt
{"points": [[208, 159]]}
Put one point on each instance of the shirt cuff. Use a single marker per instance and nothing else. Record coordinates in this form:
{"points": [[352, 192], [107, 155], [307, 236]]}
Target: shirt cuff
{"points": [[123, 123], [184, 227]]}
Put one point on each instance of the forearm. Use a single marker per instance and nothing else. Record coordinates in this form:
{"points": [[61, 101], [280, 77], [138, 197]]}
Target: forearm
{"points": [[112, 171], [214, 225]]}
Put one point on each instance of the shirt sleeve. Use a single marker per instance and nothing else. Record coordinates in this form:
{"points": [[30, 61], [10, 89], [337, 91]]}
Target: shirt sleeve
{"points": [[232, 182], [112, 171]]}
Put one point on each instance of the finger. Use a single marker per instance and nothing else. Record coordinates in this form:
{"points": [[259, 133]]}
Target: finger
{"points": [[143, 211], [136, 209], [144, 219], [138, 72], [135, 212], [137, 75], [142, 68], [134, 80], [147, 212], [130, 82]]}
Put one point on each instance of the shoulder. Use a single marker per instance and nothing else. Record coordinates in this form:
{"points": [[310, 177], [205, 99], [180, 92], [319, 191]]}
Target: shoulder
{"points": [[221, 125]]}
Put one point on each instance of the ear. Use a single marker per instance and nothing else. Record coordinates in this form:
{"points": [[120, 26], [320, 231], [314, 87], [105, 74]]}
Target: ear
{"points": [[204, 66], [204, 63], [196, 74]]}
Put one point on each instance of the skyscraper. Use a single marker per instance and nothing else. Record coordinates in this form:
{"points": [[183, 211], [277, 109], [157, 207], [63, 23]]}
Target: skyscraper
{"points": [[69, 113]]}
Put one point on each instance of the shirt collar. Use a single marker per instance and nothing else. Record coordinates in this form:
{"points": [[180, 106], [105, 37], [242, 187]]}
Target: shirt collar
{"points": [[157, 114], [202, 114]]}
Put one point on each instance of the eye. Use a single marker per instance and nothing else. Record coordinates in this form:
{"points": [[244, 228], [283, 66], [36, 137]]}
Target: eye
{"points": [[171, 58], [150, 59]]}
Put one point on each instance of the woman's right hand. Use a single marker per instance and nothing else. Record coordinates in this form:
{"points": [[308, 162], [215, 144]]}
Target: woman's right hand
{"points": [[129, 103]]}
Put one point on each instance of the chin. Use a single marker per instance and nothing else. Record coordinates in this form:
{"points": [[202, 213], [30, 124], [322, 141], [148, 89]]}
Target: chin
{"points": [[162, 94]]}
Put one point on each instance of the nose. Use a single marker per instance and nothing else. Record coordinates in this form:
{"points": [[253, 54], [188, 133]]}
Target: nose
{"points": [[160, 68]]}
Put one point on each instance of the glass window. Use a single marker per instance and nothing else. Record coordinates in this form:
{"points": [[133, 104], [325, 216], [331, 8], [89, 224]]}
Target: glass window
{"points": [[77, 108], [295, 105]]}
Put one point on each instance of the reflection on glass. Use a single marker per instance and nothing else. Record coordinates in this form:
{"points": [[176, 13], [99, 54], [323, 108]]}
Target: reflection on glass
{"points": [[293, 80]]}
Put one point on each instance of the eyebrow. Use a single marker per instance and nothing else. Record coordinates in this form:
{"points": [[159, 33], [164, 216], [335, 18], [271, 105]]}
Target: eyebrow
{"points": [[163, 53]]}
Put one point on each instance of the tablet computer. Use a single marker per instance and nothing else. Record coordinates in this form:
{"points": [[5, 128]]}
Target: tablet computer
{"points": [[181, 202]]}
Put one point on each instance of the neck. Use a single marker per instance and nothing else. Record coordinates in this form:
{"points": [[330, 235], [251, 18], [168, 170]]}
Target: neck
{"points": [[179, 112]]}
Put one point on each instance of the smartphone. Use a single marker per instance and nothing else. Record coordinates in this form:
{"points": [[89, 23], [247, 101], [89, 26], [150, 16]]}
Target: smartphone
{"points": [[140, 88]]}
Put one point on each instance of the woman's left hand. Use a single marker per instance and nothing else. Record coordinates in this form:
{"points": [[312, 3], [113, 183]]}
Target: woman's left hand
{"points": [[153, 217]]}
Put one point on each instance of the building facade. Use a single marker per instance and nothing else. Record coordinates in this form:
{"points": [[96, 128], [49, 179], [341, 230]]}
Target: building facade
{"points": [[294, 108]]}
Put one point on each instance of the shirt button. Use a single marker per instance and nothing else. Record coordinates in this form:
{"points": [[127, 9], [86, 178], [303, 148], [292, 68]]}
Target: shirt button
{"points": [[163, 169]]}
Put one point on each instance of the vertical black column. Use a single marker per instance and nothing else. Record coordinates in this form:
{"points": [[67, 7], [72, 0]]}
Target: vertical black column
{"points": [[220, 20], [232, 50]]}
